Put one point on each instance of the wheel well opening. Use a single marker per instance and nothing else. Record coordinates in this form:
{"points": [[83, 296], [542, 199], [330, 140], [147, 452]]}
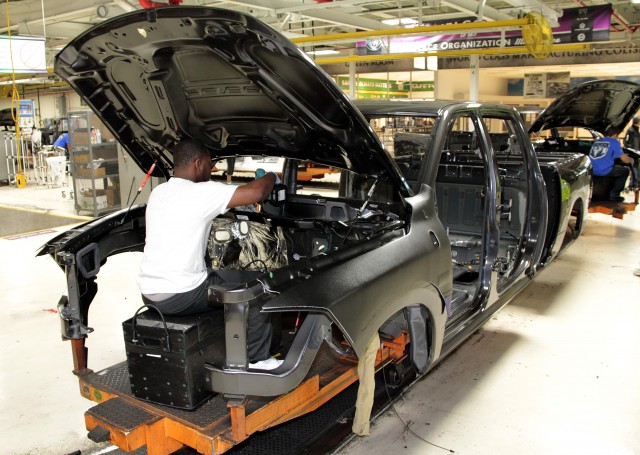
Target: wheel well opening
{"points": [[575, 223]]}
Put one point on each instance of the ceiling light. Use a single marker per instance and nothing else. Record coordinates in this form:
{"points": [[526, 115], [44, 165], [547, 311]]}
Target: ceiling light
{"points": [[292, 35], [33, 80], [323, 52], [405, 21]]}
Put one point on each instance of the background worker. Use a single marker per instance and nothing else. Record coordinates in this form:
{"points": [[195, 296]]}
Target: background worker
{"points": [[632, 141], [173, 274], [632, 138], [603, 155], [62, 144], [231, 164]]}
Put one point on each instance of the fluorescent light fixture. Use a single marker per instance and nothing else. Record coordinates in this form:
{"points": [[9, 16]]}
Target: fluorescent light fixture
{"points": [[29, 81], [406, 21], [292, 35], [635, 2], [323, 52]]}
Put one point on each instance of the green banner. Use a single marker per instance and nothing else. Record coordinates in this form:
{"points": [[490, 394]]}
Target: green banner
{"points": [[381, 88]]}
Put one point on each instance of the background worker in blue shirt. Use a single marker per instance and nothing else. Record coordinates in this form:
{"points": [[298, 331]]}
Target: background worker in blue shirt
{"points": [[603, 155], [63, 143]]}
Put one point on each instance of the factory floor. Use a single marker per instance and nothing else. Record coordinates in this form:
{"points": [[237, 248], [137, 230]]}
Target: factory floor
{"points": [[554, 372]]}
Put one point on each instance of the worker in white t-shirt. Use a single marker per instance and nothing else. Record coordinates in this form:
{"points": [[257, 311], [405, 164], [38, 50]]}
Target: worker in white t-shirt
{"points": [[173, 274]]}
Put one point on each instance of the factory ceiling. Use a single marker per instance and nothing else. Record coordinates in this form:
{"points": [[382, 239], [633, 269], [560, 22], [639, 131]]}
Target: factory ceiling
{"points": [[59, 21]]}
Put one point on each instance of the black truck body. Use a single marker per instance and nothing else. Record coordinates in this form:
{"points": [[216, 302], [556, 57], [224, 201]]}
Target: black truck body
{"points": [[443, 211]]}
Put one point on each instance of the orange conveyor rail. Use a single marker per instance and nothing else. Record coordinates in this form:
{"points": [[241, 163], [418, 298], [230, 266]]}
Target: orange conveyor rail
{"points": [[218, 425], [615, 209]]}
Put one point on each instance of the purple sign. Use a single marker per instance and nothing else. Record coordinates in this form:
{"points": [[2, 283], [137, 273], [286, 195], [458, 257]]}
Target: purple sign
{"points": [[583, 25], [577, 25]]}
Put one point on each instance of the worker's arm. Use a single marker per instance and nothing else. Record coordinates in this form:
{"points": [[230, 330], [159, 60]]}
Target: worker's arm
{"points": [[253, 192], [626, 158]]}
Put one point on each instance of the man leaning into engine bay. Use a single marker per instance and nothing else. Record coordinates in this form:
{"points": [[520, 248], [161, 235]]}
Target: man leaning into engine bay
{"points": [[173, 275]]}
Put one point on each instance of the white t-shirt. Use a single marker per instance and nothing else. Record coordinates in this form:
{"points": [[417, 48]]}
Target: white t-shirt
{"points": [[178, 217]]}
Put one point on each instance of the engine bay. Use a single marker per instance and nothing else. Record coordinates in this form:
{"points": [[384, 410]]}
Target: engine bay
{"points": [[297, 229]]}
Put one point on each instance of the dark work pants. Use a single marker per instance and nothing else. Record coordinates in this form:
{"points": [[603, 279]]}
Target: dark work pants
{"points": [[259, 330], [620, 174]]}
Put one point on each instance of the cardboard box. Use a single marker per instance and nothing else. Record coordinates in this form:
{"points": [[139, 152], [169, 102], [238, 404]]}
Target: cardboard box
{"points": [[80, 139], [105, 151], [85, 201], [81, 171], [113, 196], [80, 157], [89, 193]]}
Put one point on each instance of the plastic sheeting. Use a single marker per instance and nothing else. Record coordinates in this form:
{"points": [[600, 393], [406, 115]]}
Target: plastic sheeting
{"points": [[57, 166], [366, 376]]}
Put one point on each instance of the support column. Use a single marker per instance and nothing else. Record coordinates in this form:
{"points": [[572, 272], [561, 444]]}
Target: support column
{"points": [[474, 62], [352, 80], [474, 67]]}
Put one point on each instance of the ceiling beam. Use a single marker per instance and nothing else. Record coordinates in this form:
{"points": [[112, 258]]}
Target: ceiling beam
{"points": [[299, 8], [61, 12], [471, 7], [425, 30], [319, 12], [538, 6]]}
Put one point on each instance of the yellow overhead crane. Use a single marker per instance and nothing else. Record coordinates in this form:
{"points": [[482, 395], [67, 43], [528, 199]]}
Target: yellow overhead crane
{"points": [[536, 32]]}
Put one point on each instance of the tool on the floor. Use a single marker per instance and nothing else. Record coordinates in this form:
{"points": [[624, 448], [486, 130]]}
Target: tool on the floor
{"points": [[21, 180]]}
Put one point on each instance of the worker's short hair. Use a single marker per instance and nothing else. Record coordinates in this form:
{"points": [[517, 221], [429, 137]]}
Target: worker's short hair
{"points": [[186, 151], [612, 131], [636, 120]]}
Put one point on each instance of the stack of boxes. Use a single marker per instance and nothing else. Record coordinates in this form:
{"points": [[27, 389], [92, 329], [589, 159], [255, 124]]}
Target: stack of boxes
{"points": [[94, 160]]}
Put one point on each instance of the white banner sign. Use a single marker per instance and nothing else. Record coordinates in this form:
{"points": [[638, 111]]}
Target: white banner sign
{"points": [[28, 55]]}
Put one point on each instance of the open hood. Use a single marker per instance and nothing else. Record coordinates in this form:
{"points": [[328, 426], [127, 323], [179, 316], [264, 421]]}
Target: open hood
{"points": [[597, 105], [155, 76]]}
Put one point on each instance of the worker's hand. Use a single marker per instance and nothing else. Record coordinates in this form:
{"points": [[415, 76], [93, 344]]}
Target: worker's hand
{"points": [[258, 190], [626, 158], [261, 173]]}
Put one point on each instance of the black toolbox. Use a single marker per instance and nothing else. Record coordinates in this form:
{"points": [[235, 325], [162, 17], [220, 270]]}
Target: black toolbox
{"points": [[166, 355]]}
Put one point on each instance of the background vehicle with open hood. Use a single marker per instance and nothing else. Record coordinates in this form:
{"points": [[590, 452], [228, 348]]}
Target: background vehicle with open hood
{"points": [[583, 115]]}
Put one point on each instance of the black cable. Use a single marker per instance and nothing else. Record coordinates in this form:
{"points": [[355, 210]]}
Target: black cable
{"points": [[404, 424], [342, 237], [244, 267], [361, 209]]}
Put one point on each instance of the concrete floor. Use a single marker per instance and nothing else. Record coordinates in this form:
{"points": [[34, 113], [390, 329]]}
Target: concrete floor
{"points": [[554, 372]]}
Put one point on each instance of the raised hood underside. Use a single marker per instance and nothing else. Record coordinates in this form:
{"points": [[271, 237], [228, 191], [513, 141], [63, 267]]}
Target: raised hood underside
{"points": [[598, 105], [221, 77]]}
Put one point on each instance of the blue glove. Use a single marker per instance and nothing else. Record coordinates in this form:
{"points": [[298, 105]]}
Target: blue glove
{"points": [[261, 173]]}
